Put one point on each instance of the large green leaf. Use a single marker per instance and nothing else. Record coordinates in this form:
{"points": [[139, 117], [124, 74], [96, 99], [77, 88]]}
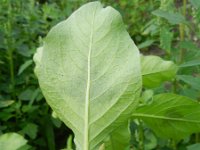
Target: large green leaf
{"points": [[12, 141], [89, 73], [171, 116], [155, 70]]}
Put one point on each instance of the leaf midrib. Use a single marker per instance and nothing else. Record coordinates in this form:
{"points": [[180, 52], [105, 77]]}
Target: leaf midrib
{"points": [[87, 96]]}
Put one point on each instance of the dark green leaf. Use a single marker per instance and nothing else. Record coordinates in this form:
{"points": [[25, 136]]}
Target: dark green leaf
{"points": [[173, 18], [190, 63], [171, 116], [166, 38], [145, 44], [193, 81], [26, 95], [24, 66], [195, 3], [31, 130], [6, 103], [119, 139]]}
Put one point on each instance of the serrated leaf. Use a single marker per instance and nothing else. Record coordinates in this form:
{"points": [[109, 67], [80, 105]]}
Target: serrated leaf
{"points": [[155, 70], [171, 116], [12, 141], [172, 18], [89, 73]]}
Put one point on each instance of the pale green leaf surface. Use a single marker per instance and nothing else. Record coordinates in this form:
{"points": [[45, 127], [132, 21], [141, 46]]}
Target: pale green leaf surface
{"points": [[155, 70], [171, 116], [89, 73], [12, 141]]}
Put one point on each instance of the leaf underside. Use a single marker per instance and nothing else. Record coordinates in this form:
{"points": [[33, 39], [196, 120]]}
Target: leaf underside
{"points": [[89, 73]]}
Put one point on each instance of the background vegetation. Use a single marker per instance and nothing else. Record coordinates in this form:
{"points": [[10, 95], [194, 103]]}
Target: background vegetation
{"points": [[168, 28]]}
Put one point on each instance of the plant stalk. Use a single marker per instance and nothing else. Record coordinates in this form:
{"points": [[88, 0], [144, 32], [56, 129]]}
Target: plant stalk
{"points": [[182, 32], [141, 136], [9, 43]]}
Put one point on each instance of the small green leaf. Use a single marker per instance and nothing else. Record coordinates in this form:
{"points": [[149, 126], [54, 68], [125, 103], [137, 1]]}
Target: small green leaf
{"points": [[12, 141], [31, 130], [6, 103], [195, 3], [24, 66], [171, 116], [173, 18], [26, 94], [146, 96], [190, 63], [166, 38], [145, 44], [119, 138], [155, 70], [150, 141], [193, 81], [194, 147], [1, 62]]}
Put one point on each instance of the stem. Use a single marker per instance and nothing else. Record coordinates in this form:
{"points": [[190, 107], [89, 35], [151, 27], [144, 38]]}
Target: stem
{"points": [[196, 137], [9, 43], [175, 85], [182, 32], [141, 135], [173, 144], [69, 143], [11, 66]]}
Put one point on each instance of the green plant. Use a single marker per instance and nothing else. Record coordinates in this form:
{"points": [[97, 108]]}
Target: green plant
{"points": [[90, 74]]}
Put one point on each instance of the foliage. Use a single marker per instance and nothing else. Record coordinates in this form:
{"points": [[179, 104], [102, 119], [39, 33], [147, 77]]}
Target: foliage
{"points": [[154, 27]]}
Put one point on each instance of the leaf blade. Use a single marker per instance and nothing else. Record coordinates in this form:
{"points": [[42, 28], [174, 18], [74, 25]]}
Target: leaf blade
{"points": [[156, 70], [81, 73], [171, 116]]}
